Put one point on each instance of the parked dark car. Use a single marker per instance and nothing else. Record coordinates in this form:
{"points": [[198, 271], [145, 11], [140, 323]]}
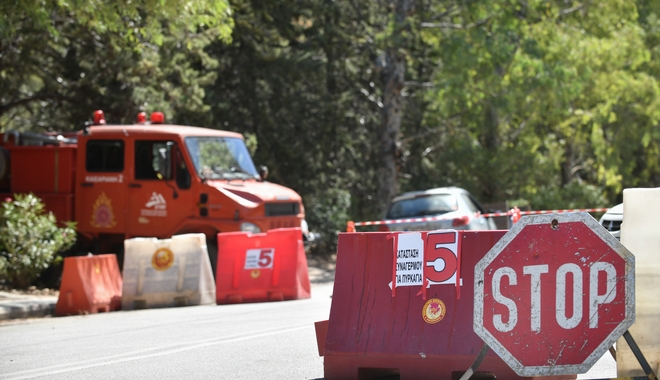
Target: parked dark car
{"points": [[454, 207]]}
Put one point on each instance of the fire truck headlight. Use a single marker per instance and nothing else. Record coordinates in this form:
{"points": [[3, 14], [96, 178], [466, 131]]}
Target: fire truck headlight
{"points": [[250, 227]]}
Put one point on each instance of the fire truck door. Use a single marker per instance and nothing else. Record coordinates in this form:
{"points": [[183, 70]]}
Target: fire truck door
{"points": [[157, 201], [101, 197]]}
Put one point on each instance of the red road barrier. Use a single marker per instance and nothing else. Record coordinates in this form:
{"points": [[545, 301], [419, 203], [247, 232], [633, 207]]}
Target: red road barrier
{"points": [[270, 266], [90, 284], [375, 331], [513, 212]]}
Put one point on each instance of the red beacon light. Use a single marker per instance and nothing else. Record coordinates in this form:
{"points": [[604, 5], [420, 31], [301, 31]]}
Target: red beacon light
{"points": [[99, 118], [157, 118], [141, 118]]}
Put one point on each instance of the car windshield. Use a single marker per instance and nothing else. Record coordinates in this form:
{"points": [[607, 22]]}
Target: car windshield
{"points": [[221, 157], [432, 204]]}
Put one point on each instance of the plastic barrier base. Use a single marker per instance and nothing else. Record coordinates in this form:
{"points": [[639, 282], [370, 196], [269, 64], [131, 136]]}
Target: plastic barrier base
{"points": [[90, 284], [321, 328], [270, 266], [374, 332]]}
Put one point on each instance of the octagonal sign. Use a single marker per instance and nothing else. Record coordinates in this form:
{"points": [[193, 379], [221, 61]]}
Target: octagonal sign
{"points": [[554, 294]]}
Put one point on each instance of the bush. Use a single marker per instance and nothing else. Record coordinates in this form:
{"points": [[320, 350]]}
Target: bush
{"points": [[327, 213], [29, 239], [571, 196]]}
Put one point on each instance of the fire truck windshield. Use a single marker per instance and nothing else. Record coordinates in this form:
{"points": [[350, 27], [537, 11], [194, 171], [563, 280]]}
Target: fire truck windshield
{"points": [[220, 157]]}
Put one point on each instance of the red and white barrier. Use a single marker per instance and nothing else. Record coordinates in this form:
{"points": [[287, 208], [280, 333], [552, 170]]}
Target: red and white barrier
{"points": [[515, 212], [550, 211]]}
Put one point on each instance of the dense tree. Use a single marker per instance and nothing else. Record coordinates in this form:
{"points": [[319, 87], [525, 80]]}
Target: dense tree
{"points": [[61, 60], [538, 100], [547, 103]]}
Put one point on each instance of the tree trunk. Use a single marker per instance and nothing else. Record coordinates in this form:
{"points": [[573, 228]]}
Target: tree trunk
{"points": [[393, 81], [490, 143]]}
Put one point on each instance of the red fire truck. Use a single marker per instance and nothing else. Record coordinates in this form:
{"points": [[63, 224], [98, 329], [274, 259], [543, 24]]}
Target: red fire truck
{"points": [[148, 179]]}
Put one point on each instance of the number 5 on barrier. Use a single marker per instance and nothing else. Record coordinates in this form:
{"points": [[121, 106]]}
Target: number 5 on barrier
{"points": [[259, 258], [442, 258]]}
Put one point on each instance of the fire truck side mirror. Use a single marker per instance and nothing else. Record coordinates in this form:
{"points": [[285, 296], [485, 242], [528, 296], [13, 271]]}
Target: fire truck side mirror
{"points": [[263, 172]]}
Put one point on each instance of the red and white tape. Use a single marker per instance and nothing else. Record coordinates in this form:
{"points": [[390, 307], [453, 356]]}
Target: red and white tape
{"points": [[489, 215], [545, 212], [397, 221]]}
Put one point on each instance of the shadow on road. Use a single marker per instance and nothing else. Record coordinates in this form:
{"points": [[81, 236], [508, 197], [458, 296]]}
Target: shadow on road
{"points": [[321, 268]]}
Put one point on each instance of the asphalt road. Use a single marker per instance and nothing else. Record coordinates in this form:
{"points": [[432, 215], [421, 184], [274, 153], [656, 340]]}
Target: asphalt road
{"points": [[273, 340]]}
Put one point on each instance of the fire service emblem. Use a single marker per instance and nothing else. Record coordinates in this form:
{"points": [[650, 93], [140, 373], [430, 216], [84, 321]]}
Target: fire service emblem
{"points": [[102, 215], [162, 259], [434, 310]]}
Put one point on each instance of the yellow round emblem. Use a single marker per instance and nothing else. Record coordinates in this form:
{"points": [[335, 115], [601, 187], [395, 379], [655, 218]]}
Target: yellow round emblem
{"points": [[434, 310], [162, 259], [255, 273]]}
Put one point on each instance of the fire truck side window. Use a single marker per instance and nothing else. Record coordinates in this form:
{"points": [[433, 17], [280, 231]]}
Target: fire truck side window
{"points": [[105, 156], [145, 159]]}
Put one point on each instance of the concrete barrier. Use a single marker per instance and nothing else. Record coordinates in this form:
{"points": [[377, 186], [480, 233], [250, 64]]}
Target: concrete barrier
{"points": [[639, 233], [167, 272]]}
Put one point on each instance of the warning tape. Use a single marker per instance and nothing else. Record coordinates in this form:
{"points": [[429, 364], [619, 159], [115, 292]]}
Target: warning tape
{"points": [[548, 212], [511, 212], [397, 221]]}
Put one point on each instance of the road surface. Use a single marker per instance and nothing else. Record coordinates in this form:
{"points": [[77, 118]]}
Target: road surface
{"points": [[272, 340]]}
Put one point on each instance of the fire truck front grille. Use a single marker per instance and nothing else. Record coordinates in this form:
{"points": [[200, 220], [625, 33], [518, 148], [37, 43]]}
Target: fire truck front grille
{"points": [[282, 209], [282, 224]]}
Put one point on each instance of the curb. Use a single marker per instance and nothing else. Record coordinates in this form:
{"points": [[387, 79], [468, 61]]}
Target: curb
{"points": [[15, 307], [21, 306]]}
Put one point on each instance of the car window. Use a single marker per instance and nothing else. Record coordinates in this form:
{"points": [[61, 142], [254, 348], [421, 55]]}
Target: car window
{"points": [[470, 203], [424, 205]]}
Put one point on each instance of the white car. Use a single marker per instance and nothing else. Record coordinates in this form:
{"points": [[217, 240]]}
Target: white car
{"points": [[612, 220], [439, 208]]}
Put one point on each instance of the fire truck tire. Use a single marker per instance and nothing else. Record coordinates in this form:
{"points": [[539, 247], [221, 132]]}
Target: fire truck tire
{"points": [[4, 163]]}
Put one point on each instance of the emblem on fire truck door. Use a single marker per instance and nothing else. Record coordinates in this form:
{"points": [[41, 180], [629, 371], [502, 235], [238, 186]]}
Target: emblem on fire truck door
{"points": [[156, 206], [102, 215]]}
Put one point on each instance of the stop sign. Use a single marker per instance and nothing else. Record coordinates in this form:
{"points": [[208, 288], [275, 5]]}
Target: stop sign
{"points": [[554, 294]]}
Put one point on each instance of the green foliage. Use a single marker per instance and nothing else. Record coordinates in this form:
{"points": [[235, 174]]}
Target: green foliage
{"points": [[327, 213], [30, 239], [62, 60], [553, 102], [571, 196], [542, 98], [215, 152]]}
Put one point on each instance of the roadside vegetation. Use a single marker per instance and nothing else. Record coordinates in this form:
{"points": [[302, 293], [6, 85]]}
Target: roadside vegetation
{"points": [[30, 240], [551, 104]]}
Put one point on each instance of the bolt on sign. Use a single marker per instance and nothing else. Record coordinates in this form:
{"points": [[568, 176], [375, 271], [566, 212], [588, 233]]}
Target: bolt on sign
{"points": [[554, 294]]}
